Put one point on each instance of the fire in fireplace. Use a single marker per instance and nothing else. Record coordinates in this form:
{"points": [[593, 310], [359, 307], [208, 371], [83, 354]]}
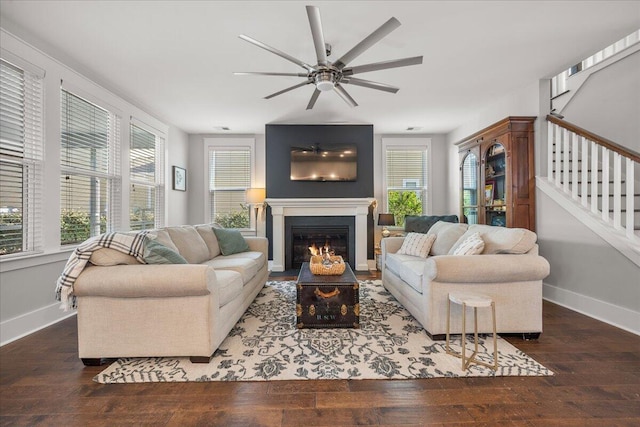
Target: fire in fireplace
{"points": [[307, 236]]}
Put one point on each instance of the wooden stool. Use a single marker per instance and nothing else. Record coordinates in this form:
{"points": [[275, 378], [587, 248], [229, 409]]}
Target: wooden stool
{"points": [[476, 301]]}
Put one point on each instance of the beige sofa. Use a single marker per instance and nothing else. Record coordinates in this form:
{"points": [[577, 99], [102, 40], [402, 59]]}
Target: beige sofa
{"points": [[141, 310], [509, 270]]}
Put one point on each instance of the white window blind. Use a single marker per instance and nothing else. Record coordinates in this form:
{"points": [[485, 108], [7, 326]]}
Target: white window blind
{"points": [[90, 169], [229, 177], [147, 189], [406, 182], [21, 162]]}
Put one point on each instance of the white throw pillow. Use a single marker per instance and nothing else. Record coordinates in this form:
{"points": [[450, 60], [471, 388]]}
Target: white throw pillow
{"points": [[417, 244], [472, 245]]}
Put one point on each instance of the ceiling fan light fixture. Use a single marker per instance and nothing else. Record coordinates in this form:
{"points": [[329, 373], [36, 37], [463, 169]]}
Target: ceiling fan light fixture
{"points": [[325, 81]]}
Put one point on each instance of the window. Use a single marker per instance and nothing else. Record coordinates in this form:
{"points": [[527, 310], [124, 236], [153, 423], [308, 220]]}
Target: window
{"points": [[90, 169], [146, 192], [229, 177], [405, 179], [20, 160]]}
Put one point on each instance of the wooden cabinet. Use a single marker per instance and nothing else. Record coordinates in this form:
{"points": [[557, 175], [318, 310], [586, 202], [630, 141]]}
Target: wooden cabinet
{"points": [[497, 175]]}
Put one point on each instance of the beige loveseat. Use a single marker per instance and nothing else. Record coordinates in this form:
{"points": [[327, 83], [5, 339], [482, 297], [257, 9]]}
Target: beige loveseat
{"points": [[509, 270], [142, 310]]}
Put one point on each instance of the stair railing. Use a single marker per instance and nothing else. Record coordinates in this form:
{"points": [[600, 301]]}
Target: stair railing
{"points": [[576, 158]]}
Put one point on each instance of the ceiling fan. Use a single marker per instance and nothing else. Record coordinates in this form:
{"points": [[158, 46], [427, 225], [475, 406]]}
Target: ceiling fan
{"points": [[327, 75]]}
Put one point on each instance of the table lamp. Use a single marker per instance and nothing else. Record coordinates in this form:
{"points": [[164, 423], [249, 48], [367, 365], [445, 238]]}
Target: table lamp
{"points": [[386, 219]]}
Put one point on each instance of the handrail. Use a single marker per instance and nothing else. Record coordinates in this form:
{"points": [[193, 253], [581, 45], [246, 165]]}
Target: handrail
{"points": [[633, 155]]}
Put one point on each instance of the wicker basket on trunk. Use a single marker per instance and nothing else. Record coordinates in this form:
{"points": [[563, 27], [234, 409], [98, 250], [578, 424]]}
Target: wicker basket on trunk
{"points": [[335, 268]]}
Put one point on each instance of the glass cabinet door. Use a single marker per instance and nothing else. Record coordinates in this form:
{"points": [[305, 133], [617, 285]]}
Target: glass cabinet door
{"points": [[495, 189], [469, 181]]}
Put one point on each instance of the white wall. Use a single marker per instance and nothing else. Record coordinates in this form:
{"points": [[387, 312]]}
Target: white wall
{"points": [[587, 274], [27, 288], [608, 103], [177, 155]]}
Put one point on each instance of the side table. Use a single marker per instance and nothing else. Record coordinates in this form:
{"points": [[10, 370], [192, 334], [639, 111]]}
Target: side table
{"points": [[476, 301]]}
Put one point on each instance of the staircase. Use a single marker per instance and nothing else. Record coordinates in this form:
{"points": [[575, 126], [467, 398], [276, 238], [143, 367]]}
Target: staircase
{"points": [[595, 178]]}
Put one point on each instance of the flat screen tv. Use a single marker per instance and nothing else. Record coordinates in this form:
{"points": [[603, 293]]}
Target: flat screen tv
{"points": [[324, 162]]}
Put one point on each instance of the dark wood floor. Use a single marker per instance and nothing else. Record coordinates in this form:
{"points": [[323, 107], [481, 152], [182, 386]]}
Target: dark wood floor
{"points": [[597, 383]]}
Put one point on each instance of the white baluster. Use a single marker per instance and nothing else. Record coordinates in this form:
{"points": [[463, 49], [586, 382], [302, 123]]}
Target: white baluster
{"points": [[558, 156], [617, 190], [550, 150], [584, 166], [565, 164], [594, 177], [630, 219], [574, 166], [605, 185]]}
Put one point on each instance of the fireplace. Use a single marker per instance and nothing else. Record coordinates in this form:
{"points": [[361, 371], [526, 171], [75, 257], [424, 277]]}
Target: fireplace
{"points": [[322, 211], [303, 232]]}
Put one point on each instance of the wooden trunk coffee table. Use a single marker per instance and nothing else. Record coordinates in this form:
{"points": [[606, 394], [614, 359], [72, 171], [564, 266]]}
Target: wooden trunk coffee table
{"points": [[327, 301]]}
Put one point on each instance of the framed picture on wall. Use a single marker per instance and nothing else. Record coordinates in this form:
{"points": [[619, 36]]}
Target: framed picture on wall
{"points": [[179, 178]]}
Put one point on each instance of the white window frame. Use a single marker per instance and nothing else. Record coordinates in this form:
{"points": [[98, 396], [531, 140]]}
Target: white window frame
{"points": [[114, 175], [160, 184], [423, 144], [33, 159], [228, 143]]}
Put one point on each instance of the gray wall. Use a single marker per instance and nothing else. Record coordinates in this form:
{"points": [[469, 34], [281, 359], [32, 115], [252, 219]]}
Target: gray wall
{"points": [[608, 103]]}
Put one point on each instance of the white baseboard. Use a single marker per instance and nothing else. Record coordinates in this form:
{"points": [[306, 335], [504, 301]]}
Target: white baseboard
{"points": [[28, 323], [614, 315]]}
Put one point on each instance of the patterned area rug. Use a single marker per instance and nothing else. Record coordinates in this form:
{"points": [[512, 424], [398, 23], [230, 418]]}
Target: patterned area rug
{"points": [[266, 345]]}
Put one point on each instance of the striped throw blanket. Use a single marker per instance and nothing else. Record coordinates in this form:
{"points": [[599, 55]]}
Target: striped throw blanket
{"points": [[128, 243]]}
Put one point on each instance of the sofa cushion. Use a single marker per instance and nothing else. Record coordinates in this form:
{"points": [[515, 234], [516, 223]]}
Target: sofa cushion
{"points": [[501, 240], [108, 256], [422, 223], [230, 241], [247, 267], [258, 258], [229, 285], [409, 268], [209, 237], [189, 243], [417, 244], [157, 253], [163, 237], [471, 245], [447, 234]]}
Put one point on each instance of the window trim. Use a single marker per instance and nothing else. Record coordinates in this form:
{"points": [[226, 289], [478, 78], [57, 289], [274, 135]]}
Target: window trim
{"points": [[415, 143], [133, 121], [114, 173], [32, 218], [227, 143]]}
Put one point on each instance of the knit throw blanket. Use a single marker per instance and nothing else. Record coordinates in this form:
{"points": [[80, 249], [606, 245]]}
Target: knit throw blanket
{"points": [[128, 243]]}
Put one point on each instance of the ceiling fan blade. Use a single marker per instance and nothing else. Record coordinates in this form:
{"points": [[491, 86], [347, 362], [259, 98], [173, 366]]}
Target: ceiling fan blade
{"points": [[344, 95], [277, 52], [314, 98], [259, 73], [383, 65], [368, 41], [287, 89], [316, 32], [369, 84]]}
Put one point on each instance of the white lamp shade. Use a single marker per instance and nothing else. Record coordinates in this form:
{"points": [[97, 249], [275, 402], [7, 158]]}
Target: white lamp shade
{"points": [[255, 196]]}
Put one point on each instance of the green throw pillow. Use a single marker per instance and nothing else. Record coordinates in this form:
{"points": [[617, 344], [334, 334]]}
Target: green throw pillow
{"points": [[157, 253], [230, 241]]}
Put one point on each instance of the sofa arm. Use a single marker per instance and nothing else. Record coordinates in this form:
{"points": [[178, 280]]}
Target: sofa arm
{"points": [[390, 245], [144, 280], [486, 268], [258, 244]]}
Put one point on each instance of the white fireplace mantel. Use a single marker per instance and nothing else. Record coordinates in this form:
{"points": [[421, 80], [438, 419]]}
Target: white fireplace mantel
{"points": [[356, 207]]}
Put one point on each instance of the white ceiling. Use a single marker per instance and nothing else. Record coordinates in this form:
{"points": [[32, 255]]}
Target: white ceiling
{"points": [[175, 59]]}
